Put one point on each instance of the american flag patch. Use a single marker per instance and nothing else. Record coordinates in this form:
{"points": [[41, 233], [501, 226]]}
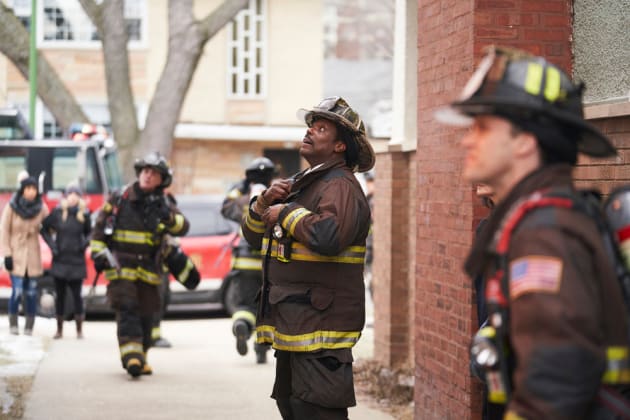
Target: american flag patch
{"points": [[534, 275]]}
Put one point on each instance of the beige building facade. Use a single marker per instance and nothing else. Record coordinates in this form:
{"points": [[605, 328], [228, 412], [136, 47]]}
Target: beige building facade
{"points": [[252, 77]]}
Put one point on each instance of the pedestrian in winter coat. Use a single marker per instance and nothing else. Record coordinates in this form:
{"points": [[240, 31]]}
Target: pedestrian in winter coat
{"points": [[21, 222], [66, 231], [312, 231]]}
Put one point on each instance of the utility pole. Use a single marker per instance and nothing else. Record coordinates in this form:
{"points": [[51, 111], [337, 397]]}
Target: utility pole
{"points": [[32, 66]]}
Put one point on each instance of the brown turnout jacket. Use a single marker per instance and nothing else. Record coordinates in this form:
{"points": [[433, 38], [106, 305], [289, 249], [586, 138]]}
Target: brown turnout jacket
{"points": [[313, 297], [134, 243], [568, 330]]}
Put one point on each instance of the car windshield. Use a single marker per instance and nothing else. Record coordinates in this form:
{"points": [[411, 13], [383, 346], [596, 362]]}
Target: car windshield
{"points": [[205, 218]]}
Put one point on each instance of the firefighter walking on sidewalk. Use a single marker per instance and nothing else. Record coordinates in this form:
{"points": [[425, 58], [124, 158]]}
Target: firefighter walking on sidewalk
{"points": [[127, 245], [245, 277]]}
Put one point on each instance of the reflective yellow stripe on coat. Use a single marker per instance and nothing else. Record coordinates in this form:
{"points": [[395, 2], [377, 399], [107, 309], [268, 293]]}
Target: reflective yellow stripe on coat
{"points": [[317, 340], [243, 263], [134, 237], [299, 252], [618, 366], [133, 274]]}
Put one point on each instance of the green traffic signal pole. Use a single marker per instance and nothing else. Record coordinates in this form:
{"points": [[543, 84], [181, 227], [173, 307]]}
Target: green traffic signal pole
{"points": [[32, 66]]}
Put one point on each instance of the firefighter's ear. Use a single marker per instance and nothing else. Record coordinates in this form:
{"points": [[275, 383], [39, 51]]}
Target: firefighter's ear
{"points": [[340, 147]]}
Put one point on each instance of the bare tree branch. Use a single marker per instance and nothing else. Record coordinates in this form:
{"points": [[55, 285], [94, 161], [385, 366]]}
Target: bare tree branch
{"points": [[14, 44], [95, 13], [120, 97], [186, 40], [221, 16]]}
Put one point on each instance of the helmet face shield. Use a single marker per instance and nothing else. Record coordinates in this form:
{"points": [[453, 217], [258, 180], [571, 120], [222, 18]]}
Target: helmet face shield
{"points": [[513, 83]]}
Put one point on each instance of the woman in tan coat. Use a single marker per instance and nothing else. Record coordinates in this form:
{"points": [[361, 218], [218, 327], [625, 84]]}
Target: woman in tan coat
{"points": [[19, 240]]}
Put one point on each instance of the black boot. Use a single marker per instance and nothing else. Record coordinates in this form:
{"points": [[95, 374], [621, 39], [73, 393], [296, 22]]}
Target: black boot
{"points": [[79, 320], [261, 353], [59, 332], [28, 325], [241, 331], [13, 325]]}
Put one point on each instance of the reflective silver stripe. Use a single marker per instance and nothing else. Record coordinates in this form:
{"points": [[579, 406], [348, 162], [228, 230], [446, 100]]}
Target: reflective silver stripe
{"points": [[618, 365], [234, 194], [179, 224], [133, 237], [317, 340], [299, 252], [291, 220], [131, 347], [183, 276], [97, 246], [246, 315], [256, 226], [133, 274], [242, 263]]}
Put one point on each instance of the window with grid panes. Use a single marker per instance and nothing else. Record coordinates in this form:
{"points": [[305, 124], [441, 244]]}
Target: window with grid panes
{"points": [[247, 51], [52, 130], [66, 21]]}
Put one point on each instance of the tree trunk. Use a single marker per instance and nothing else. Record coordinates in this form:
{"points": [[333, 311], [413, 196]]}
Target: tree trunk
{"points": [[14, 44], [187, 38], [120, 97]]}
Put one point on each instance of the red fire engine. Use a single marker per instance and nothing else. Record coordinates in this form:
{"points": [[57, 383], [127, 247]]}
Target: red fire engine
{"points": [[55, 163]]}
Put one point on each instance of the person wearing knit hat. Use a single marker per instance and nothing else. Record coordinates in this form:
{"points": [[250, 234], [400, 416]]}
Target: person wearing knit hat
{"points": [[19, 243], [73, 188], [66, 231]]}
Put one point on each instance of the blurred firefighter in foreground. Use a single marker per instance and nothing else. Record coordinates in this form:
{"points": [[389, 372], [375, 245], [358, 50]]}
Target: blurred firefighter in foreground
{"points": [[128, 244], [556, 342], [312, 231], [245, 277]]}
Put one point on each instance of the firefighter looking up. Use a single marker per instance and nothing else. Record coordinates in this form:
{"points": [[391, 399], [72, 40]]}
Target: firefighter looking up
{"points": [[312, 230], [126, 243], [245, 277], [556, 344]]}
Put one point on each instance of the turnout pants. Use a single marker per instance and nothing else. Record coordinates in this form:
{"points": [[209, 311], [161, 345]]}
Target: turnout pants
{"points": [[135, 304], [244, 286], [313, 386]]}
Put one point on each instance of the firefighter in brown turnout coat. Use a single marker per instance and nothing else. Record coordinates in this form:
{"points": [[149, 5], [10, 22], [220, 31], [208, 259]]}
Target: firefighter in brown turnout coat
{"points": [[556, 342], [245, 276], [127, 245], [311, 230]]}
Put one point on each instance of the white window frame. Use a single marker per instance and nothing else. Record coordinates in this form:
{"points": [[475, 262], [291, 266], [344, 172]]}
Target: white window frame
{"points": [[242, 37], [137, 6]]}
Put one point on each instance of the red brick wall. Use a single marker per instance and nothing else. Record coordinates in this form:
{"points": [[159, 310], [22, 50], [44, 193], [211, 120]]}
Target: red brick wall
{"points": [[607, 174], [451, 40], [394, 265]]}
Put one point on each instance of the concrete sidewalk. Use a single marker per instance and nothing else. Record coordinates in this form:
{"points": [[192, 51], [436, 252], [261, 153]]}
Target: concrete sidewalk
{"points": [[201, 377]]}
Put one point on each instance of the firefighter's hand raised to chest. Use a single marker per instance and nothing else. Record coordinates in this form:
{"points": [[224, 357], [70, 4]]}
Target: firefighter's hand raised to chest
{"points": [[277, 192], [270, 216]]}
